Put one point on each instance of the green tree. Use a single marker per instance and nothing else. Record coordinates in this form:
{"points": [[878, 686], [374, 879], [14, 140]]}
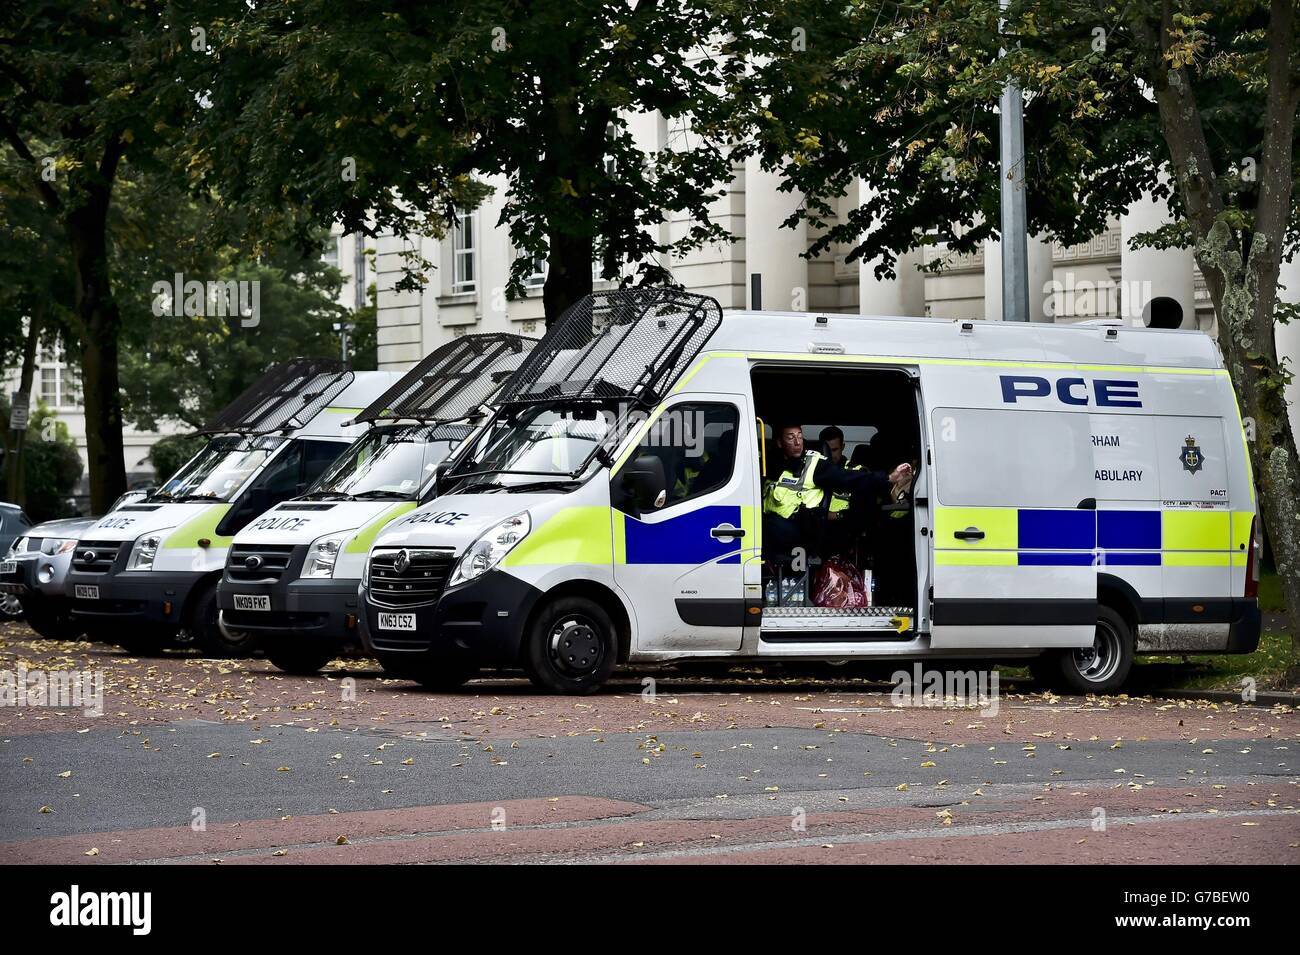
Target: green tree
{"points": [[186, 368], [82, 86], [50, 461], [904, 95], [382, 117]]}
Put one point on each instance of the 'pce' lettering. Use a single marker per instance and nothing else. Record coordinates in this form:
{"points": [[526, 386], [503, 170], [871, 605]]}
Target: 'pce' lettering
{"points": [[1106, 392]]}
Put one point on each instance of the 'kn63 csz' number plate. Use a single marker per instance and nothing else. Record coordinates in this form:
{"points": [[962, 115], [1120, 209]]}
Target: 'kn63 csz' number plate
{"points": [[397, 621]]}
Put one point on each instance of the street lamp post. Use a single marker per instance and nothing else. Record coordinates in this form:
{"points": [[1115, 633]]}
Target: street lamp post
{"points": [[1014, 224]]}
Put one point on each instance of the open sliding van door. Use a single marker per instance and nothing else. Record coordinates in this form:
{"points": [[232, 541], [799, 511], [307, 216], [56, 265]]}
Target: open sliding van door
{"points": [[1013, 547]]}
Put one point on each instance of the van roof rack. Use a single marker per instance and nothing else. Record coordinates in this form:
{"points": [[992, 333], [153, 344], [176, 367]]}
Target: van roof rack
{"points": [[624, 343], [288, 395], [452, 381]]}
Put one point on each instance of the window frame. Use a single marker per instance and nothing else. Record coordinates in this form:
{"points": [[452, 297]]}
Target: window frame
{"points": [[464, 250], [725, 482]]}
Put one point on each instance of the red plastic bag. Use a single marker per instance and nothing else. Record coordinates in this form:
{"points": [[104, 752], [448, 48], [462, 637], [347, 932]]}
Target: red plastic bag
{"points": [[839, 584]]}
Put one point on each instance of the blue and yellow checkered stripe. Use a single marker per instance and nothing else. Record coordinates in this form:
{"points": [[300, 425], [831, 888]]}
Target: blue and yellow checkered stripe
{"points": [[1046, 537]]}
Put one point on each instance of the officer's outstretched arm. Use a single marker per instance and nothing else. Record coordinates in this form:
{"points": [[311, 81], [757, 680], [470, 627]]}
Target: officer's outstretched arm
{"points": [[832, 478]]}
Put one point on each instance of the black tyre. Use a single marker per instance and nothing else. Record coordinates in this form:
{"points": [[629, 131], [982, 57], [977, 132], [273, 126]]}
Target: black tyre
{"points": [[52, 621], [300, 655], [1101, 668], [399, 666], [572, 647], [444, 675], [204, 626]]}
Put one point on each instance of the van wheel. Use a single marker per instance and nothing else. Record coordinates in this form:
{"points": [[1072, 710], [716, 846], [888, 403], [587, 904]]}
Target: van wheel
{"points": [[302, 657], [53, 622], [210, 635], [444, 675], [1103, 667], [572, 647]]}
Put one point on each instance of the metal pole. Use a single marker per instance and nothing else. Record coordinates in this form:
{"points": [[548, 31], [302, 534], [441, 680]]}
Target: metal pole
{"points": [[1015, 224], [359, 270]]}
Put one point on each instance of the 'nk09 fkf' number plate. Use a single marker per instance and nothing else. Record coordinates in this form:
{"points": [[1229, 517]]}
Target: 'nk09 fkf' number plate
{"points": [[397, 621], [252, 602]]}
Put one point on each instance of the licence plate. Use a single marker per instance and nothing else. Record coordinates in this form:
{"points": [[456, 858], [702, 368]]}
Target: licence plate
{"points": [[8, 566], [86, 592], [397, 621], [252, 602]]}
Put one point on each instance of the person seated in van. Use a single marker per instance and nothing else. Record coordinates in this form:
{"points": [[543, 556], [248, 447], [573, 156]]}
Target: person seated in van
{"points": [[793, 499], [895, 545]]}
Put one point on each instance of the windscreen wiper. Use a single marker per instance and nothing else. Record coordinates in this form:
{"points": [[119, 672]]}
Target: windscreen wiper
{"points": [[378, 493], [325, 496], [477, 486], [566, 483]]}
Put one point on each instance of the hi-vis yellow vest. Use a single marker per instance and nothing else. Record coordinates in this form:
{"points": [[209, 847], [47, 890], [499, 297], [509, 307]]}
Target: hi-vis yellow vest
{"points": [[791, 491], [840, 500]]}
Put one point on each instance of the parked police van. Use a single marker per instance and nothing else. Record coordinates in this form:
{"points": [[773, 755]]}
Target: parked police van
{"points": [[292, 573], [149, 571], [36, 572], [1080, 493]]}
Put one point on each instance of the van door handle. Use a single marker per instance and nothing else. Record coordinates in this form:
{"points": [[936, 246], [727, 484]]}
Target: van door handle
{"points": [[969, 534], [726, 530]]}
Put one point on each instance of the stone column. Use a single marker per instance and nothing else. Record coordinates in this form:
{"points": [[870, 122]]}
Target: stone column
{"points": [[773, 252]]}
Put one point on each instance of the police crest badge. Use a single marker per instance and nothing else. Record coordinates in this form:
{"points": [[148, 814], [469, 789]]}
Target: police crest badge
{"points": [[1191, 456]]}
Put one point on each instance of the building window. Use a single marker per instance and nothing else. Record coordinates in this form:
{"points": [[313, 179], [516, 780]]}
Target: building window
{"points": [[463, 276], [536, 276], [331, 252], [59, 384]]}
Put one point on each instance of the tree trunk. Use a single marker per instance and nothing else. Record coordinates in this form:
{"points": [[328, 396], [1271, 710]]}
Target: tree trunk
{"points": [[1241, 270], [568, 277], [14, 470], [100, 324]]}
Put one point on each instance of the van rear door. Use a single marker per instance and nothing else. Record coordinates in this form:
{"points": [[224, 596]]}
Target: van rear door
{"points": [[1014, 536]]}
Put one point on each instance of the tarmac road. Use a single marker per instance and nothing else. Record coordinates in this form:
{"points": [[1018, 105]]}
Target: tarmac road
{"points": [[232, 762]]}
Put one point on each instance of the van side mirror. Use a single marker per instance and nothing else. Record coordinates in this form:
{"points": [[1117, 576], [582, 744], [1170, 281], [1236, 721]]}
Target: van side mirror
{"points": [[643, 484]]}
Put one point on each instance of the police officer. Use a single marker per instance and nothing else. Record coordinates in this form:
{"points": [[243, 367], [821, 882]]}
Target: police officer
{"points": [[792, 501]]}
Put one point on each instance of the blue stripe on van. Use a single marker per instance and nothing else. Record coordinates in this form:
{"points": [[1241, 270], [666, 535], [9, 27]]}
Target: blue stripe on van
{"points": [[1129, 530], [682, 540], [1059, 529], [1149, 559], [1070, 559]]}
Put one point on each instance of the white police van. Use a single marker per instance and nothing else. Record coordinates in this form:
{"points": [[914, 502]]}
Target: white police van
{"points": [[149, 571], [292, 573], [1082, 493]]}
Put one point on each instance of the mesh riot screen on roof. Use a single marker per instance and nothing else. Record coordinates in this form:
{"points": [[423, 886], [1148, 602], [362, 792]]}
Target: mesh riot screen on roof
{"points": [[453, 380], [626, 343], [288, 394]]}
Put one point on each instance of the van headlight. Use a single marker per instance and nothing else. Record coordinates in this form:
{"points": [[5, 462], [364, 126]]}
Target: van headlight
{"points": [[321, 556], [486, 552], [143, 552], [54, 546]]}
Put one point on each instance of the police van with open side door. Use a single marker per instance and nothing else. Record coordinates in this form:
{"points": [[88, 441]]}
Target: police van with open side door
{"points": [[1081, 494], [148, 572], [292, 573]]}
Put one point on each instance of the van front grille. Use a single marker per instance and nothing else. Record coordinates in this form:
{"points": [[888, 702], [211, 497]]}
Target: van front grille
{"points": [[258, 563], [96, 557], [408, 577]]}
